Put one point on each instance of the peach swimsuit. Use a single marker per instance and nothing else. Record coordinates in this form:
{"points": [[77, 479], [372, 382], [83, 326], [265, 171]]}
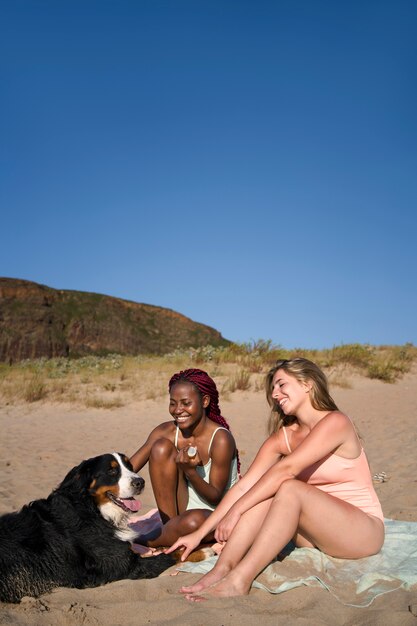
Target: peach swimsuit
{"points": [[346, 479]]}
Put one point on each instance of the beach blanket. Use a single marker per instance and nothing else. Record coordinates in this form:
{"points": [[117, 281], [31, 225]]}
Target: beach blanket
{"points": [[353, 582], [145, 525]]}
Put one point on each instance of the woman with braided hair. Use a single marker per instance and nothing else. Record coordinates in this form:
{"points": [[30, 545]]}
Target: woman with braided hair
{"points": [[193, 459], [310, 482]]}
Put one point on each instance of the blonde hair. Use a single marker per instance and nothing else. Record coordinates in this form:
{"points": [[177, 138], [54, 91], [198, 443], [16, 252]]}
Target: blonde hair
{"points": [[304, 371]]}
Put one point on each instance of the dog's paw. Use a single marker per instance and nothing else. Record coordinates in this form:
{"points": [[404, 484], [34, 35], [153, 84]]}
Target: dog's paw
{"points": [[200, 554]]}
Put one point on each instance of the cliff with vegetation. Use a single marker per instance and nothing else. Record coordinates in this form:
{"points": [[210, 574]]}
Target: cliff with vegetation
{"points": [[38, 321]]}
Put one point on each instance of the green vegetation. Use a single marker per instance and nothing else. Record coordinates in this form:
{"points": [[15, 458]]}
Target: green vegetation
{"points": [[34, 388], [239, 381], [37, 321], [114, 380]]}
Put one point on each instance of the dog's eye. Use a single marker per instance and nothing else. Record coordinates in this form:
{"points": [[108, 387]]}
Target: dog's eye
{"points": [[112, 472]]}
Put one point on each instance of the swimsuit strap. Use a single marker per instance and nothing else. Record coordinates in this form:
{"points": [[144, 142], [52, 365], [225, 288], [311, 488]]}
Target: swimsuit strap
{"points": [[211, 440], [212, 437], [286, 439]]}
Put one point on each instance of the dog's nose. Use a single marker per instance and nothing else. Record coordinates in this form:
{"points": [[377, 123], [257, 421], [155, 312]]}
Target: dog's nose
{"points": [[138, 482]]}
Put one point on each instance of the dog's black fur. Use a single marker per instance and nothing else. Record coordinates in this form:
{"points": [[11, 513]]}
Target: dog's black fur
{"points": [[78, 536]]}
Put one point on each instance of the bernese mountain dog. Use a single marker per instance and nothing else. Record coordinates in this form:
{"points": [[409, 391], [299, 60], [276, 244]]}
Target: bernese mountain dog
{"points": [[77, 537]]}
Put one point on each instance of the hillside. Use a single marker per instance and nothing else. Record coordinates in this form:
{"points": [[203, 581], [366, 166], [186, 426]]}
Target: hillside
{"points": [[38, 321]]}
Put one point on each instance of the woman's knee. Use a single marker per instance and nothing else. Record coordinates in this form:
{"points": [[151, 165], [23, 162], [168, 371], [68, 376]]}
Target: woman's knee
{"points": [[194, 518], [162, 449], [291, 488]]}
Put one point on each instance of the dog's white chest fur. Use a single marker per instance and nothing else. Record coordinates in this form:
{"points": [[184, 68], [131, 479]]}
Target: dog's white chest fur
{"points": [[120, 521]]}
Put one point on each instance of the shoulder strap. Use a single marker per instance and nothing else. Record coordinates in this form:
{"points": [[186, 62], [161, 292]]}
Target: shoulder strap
{"points": [[212, 437], [286, 439], [176, 437]]}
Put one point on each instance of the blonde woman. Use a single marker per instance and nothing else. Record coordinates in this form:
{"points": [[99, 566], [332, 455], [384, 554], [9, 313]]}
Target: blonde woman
{"points": [[310, 482]]}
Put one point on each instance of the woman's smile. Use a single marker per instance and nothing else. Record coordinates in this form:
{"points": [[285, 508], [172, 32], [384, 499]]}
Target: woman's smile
{"points": [[185, 404], [181, 418]]}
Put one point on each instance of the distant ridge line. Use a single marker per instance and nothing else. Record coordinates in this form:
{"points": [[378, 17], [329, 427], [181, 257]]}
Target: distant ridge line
{"points": [[40, 321]]}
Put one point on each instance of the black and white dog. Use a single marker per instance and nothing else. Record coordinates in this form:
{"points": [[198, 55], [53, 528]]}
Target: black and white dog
{"points": [[77, 537]]}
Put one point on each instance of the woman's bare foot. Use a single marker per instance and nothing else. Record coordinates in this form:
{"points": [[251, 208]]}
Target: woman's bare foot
{"points": [[209, 579], [227, 587]]}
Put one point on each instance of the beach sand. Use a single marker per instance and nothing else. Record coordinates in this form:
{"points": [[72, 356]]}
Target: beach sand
{"points": [[42, 441]]}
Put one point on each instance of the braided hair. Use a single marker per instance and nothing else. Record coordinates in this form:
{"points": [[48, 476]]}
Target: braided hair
{"points": [[205, 385]]}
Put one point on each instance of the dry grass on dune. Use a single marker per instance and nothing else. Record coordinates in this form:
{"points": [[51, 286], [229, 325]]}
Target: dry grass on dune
{"points": [[113, 381]]}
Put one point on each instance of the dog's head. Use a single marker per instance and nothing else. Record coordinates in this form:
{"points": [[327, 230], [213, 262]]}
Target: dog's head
{"points": [[109, 480]]}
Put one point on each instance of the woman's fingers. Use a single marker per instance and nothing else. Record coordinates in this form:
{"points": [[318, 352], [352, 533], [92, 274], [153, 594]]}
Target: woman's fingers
{"points": [[225, 527], [180, 543], [185, 553], [220, 535]]}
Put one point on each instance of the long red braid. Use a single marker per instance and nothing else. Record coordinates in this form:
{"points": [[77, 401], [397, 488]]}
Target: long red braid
{"points": [[206, 386]]}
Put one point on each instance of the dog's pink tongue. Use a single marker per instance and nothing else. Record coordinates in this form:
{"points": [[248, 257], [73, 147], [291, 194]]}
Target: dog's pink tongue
{"points": [[132, 504]]}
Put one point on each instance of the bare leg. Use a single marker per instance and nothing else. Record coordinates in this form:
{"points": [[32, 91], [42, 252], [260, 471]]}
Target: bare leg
{"points": [[164, 478], [178, 526], [182, 493], [335, 527], [236, 547]]}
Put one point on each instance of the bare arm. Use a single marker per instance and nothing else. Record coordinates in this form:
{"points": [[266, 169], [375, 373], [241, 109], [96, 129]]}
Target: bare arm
{"points": [[267, 456], [222, 452], [330, 433], [141, 456]]}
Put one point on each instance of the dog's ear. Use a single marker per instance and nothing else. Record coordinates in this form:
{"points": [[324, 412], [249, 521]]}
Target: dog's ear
{"points": [[92, 489], [79, 477], [126, 460]]}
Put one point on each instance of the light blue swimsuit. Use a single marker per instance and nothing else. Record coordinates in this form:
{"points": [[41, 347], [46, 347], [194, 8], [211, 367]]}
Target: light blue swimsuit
{"points": [[195, 501]]}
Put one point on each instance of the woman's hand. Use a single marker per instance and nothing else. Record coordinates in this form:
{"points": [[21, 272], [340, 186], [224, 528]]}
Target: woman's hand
{"points": [[188, 542], [186, 462], [226, 526]]}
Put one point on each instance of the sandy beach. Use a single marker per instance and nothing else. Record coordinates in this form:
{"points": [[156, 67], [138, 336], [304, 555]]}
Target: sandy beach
{"points": [[40, 442]]}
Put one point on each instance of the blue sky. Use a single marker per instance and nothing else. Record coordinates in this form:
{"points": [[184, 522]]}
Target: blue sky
{"points": [[251, 165]]}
